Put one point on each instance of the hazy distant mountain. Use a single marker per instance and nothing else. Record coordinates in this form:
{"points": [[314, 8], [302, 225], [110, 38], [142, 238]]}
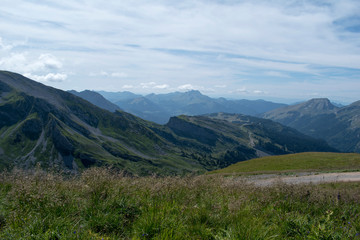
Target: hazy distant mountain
{"points": [[118, 96], [145, 109], [195, 103], [60, 131], [96, 99], [188, 103], [319, 118]]}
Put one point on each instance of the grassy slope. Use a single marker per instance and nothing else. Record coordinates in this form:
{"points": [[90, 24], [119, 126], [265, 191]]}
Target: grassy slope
{"points": [[139, 150], [311, 161], [104, 205]]}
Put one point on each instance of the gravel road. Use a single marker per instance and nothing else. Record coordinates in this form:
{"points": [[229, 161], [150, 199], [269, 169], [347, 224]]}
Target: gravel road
{"points": [[302, 178]]}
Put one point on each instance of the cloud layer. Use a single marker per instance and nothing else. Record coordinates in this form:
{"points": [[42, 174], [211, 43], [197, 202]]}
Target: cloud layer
{"points": [[261, 46]]}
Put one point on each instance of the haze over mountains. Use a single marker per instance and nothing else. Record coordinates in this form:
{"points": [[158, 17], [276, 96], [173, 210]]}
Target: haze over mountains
{"points": [[58, 130], [160, 107]]}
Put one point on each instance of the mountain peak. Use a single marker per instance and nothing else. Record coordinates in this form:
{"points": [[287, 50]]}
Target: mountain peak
{"points": [[96, 99], [319, 104], [194, 93], [319, 100]]}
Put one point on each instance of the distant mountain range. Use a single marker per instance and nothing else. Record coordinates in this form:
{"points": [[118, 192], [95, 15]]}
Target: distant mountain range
{"points": [[160, 107], [61, 131], [319, 118]]}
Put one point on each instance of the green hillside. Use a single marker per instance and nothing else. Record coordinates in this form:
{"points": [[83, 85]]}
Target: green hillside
{"points": [[57, 130], [310, 161]]}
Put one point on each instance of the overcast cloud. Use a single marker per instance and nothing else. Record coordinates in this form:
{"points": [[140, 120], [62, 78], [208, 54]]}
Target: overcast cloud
{"points": [[242, 49]]}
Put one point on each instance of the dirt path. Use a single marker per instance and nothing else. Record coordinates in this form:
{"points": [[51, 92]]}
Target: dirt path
{"points": [[270, 179]]}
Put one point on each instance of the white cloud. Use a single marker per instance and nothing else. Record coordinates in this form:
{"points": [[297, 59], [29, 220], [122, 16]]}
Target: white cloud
{"points": [[14, 62], [4, 46], [22, 62], [187, 87], [44, 62], [163, 86], [240, 90], [50, 77], [148, 85], [258, 92]]}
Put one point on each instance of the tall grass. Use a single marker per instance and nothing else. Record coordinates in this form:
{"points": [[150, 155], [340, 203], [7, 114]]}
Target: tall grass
{"points": [[102, 204]]}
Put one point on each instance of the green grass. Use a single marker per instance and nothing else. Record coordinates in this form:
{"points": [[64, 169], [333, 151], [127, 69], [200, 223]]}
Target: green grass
{"points": [[101, 204], [310, 161]]}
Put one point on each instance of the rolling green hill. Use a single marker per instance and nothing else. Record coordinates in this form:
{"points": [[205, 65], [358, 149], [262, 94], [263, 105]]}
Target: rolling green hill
{"points": [[58, 130], [310, 161]]}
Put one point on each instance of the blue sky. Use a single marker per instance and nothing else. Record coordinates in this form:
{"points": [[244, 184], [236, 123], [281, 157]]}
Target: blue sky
{"points": [[280, 50]]}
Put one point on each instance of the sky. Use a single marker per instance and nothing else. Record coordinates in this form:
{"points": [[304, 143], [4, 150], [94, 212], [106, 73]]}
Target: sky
{"points": [[280, 50]]}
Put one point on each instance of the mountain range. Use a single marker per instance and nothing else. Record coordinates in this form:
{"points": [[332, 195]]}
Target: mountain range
{"points": [[41, 125], [319, 118], [160, 107]]}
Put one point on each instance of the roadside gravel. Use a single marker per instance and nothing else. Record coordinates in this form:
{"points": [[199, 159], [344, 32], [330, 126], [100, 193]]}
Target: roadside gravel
{"points": [[304, 178]]}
